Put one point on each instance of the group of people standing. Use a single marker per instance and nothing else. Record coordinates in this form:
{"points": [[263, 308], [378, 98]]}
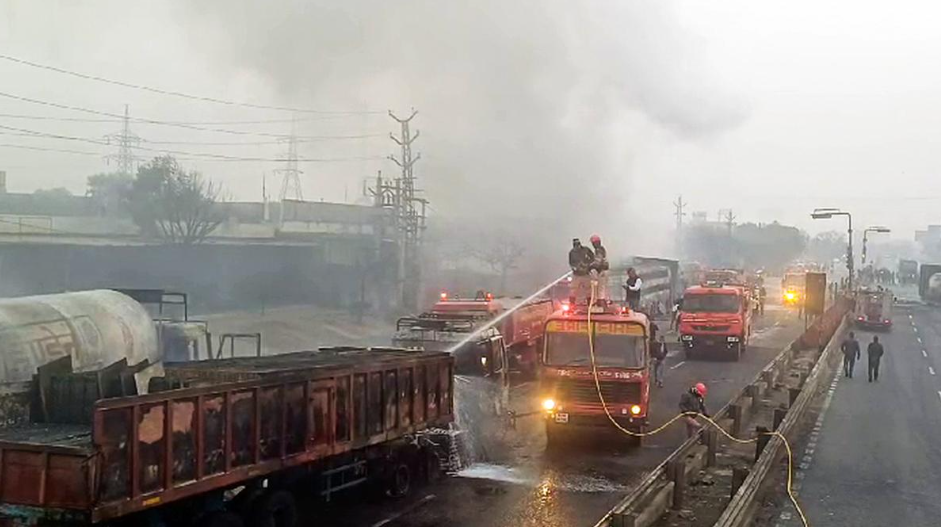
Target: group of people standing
{"points": [[592, 263]]}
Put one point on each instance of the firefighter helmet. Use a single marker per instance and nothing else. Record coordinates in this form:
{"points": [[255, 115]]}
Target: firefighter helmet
{"points": [[595, 238], [701, 389]]}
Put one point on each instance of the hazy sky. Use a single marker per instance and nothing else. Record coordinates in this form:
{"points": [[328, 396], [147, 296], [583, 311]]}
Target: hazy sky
{"points": [[590, 115]]}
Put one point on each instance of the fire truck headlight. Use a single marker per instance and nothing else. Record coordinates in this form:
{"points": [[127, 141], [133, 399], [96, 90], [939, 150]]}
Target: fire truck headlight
{"points": [[635, 409], [548, 405], [687, 337], [733, 338]]}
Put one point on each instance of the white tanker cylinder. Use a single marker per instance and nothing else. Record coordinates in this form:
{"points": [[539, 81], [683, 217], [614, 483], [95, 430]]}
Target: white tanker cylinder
{"points": [[95, 328]]}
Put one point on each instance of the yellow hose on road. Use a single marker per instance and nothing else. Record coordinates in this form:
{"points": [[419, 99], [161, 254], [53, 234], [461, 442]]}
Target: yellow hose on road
{"points": [[604, 405]]}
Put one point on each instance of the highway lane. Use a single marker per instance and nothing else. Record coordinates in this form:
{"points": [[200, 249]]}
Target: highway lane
{"points": [[576, 484], [878, 456]]}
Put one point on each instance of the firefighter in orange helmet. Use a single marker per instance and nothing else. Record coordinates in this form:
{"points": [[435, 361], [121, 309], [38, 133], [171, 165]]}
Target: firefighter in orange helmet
{"points": [[693, 401]]}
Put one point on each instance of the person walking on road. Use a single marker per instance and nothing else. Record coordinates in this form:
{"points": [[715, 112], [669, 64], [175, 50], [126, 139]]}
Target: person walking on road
{"points": [[658, 353], [875, 352], [693, 402], [851, 354]]}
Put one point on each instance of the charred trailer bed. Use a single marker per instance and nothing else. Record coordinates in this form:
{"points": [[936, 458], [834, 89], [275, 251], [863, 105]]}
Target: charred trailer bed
{"points": [[316, 420]]}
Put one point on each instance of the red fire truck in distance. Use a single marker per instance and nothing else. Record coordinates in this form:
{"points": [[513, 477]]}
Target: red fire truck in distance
{"points": [[874, 309], [570, 396], [715, 317]]}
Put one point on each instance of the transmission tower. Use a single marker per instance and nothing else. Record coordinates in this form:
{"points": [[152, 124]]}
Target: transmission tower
{"points": [[291, 181], [126, 140]]}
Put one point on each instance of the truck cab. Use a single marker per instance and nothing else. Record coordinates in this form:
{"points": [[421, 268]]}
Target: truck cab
{"points": [[569, 394], [715, 318], [874, 309]]}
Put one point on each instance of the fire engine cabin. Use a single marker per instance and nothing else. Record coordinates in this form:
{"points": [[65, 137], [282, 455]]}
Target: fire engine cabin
{"points": [[874, 309], [236, 433], [570, 396], [792, 289], [715, 318]]}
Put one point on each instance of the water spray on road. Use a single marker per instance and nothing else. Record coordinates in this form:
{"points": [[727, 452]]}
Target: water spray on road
{"points": [[508, 312]]}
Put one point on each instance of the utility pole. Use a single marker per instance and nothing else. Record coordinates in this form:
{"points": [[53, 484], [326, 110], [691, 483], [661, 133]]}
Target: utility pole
{"points": [[679, 204], [408, 211], [126, 140], [729, 218], [291, 180]]}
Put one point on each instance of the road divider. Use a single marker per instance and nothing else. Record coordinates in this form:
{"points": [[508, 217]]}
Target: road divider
{"points": [[664, 487]]}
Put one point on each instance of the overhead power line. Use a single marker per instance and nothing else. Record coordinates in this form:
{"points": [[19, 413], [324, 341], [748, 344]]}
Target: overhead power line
{"points": [[198, 156], [180, 94], [120, 117], [91, 120]]}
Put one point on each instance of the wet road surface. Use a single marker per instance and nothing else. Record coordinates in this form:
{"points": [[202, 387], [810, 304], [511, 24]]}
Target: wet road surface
{"points": [[579, 482], [876, 458]]}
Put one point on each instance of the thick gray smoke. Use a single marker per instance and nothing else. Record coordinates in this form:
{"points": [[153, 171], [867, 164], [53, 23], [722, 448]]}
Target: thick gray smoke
{"points": [[527, 108]]}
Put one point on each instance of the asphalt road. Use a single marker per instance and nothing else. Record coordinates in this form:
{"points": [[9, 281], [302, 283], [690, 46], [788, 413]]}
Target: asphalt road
{"points": [[877, 460], [578, 483]]}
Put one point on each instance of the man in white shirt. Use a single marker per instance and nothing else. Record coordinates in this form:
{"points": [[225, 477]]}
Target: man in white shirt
{"points": [[632, 289]]}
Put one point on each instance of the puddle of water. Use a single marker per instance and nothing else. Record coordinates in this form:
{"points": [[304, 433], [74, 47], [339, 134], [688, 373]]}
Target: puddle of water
{"points": [[496, 473], [579, 483]]}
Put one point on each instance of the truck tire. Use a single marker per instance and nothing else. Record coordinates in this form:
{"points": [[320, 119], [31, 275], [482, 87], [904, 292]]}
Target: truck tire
{"points": [[220, 519], [275, 509], [399, 479]]}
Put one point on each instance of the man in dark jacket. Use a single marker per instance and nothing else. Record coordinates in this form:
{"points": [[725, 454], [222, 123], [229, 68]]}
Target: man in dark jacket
{"points": [[580, 259], [693, 401], [875, 352], [658, 355], [850, 349]]}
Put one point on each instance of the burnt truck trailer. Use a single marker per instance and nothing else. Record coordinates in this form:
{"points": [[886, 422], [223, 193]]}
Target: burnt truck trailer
{"points": [[929, 283], [230, 442]]}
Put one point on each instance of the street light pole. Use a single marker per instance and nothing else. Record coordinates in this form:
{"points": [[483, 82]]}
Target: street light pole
{"points": [[823, 214], [866, 238], [849, 252]]}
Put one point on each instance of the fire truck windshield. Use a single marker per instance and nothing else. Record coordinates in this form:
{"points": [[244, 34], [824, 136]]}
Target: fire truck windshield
{"points": [[711, 304], [613, 351]]}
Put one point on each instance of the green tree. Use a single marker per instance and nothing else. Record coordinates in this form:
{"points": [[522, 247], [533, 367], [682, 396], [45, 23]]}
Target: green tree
{"points": [[175, 205], [109, 192]]}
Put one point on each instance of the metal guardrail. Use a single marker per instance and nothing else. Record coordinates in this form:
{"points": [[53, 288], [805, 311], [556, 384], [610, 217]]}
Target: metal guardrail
{"points": [[660, 474], [740, 510]]}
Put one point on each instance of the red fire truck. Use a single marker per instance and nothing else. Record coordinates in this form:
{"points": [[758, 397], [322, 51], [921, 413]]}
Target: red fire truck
{"points": [[715, 317], [570, 396], [874, 309], [521, 330]]}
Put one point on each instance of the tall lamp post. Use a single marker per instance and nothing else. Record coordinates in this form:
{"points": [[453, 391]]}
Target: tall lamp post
{"points": [[877, 228], [827, 213]]}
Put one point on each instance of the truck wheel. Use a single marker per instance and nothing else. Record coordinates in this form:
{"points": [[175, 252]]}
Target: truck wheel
{"points": [[220, 519], [275, 509], [399, 480]]}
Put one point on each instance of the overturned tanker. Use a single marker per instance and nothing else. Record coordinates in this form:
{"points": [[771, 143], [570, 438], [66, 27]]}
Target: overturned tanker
{"points": [[80, 332]]}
